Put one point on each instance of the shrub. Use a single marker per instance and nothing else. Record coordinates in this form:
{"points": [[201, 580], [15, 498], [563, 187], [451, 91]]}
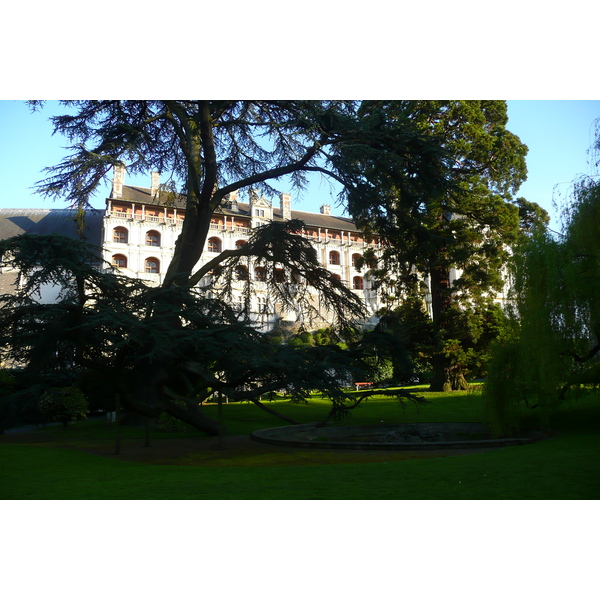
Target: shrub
{"points": [[170, 424], [8, 383], [66, 405], [306, 337]]}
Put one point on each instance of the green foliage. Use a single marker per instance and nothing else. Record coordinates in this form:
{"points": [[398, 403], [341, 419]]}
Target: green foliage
{"points": [[554, 344], [411, 324], [454, 209], [66, 405], [170, 424], [163, 349], [322, 337], [8, 383], [306, 337], [378, 371]]}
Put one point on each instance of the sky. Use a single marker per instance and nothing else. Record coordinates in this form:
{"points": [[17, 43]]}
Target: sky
{"points": [[558, 134]]}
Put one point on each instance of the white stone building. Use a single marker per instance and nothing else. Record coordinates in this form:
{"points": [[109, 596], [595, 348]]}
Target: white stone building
{"points": [[141, 226]]}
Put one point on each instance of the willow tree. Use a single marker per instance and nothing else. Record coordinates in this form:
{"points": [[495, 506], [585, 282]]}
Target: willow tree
{"points": [[207, 149], [554, 349], [468, 222]]}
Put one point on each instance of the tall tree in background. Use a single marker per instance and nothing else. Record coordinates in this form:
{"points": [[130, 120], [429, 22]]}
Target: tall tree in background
{"points": [[469, 223], [207, 149]]}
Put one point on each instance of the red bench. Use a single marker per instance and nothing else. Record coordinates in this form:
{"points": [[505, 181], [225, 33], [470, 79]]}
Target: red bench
{"points": [[363, 384]]}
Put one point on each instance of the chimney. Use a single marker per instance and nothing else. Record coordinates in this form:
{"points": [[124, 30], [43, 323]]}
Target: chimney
{"points": [[285, 203], [252, 197], [325, 209], [118, 180], [154, 178]]}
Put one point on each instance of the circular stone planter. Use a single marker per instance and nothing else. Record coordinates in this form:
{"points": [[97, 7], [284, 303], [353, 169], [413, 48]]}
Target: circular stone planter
{"points": [[405, 436]]}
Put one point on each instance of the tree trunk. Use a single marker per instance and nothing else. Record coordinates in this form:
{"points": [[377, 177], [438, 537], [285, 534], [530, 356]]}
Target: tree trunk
{"points": [[149, 399], [195, 417], [118, 424], [446, 376]]}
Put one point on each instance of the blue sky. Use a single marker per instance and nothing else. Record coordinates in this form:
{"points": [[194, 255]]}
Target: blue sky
{"points": [[558, 134]]}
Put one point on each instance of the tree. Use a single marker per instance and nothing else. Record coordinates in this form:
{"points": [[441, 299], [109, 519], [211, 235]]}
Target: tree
{"points": [[63, 404], [168, 348], [554, 347], [467, 223]]}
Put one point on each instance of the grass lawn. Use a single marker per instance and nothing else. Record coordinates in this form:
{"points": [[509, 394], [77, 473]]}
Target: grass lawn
{"points": [[59, 465]]}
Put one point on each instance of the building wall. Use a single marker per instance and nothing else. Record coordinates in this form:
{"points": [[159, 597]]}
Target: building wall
{"points": [[336, 248]]}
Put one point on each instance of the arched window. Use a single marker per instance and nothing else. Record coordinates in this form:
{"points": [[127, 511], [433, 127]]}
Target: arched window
{"points": [[152, 238], [239, 244], [334, 258], [152, 265], [214, 244], [259, 274], [356, 258], [241, 273], [120, 235], [279, 276], [336, 276], [358, 283], [120, 261]]}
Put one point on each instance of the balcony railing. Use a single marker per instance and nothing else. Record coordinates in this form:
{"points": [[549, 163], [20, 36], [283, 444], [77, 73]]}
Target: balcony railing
{"points": [[236, 229], [149, 218], [339, 242], [225, 229]]}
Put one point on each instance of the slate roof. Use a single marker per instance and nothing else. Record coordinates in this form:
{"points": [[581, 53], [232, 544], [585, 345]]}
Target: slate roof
{"points": [[17, 221], [142, 195], [139, 195]]}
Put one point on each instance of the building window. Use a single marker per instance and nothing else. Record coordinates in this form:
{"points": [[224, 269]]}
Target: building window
{"points": [[259, 274], [152, 238], [240, 244], [262, 304], [336, 276], [120, 235], [356, 260], [152, 265], [214, 244], [236, 304], [334, 258], [241, 273], [120, 261], [279, 276], [358, 283]]}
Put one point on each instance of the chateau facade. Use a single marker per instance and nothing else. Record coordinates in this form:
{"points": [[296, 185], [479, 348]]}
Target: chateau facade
{"points": [[141, 226]]}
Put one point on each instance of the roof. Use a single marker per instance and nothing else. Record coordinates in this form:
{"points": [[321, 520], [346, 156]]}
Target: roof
{"points": [[17, 221], [132, 193], [142, 195]]}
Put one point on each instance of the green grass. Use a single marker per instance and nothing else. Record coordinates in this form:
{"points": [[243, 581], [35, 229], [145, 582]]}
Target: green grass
{"points": [[562, 467]]}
